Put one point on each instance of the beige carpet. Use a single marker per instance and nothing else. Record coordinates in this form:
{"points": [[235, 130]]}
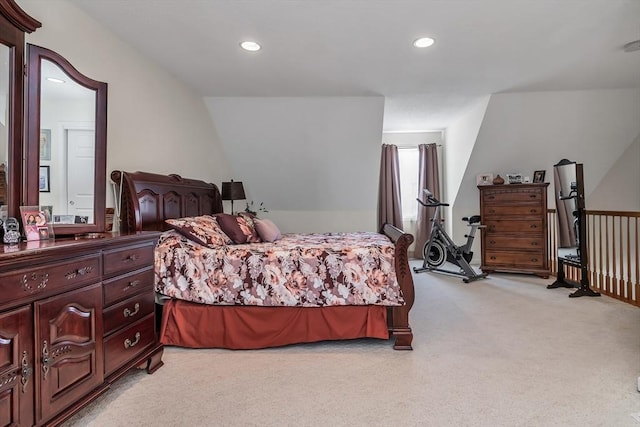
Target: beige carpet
{"points": [[504, 351]]}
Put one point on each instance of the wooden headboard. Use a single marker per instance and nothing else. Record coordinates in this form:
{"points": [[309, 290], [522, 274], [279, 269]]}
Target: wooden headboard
{"points": [[147, 199]]}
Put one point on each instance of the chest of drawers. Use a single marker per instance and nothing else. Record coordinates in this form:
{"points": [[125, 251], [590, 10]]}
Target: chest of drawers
{"points": [[75, 315], [514, 238]]}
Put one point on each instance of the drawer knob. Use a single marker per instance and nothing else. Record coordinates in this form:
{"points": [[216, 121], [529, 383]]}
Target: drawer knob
{"points": [[534, 226], [534, 243], [534, 259], [128, 343], [533, 196], [129, 313], [131, 258], [132, 284], [493, 242], [79, 272], [493, 258]]}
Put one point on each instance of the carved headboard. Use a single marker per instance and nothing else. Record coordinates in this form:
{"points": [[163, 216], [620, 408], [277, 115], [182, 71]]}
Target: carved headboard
{"points": [[148, 199]]}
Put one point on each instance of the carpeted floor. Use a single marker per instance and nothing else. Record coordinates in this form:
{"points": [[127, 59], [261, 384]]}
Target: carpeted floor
{"points": [[504, 351]]}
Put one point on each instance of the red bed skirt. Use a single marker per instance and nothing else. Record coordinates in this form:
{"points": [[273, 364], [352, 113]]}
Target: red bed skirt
{"points": [[192, 325]]}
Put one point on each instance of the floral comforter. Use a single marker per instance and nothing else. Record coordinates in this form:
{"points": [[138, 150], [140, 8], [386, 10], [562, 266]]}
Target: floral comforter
{"points": [[308, 270]]}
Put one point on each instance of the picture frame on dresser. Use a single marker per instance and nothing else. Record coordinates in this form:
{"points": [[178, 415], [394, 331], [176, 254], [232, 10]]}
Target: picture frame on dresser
{"points": [[538, 176]]}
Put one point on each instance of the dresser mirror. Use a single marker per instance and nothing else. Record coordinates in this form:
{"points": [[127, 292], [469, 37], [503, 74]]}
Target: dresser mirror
{"points": [[13, 24], [66, 143]]}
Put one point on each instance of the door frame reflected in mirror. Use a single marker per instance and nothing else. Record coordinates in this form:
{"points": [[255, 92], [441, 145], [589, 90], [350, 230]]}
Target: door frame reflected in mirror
{"points": [[35, 55]]}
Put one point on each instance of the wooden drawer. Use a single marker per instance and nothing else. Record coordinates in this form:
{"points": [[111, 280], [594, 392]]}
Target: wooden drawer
{"points": [[50, 278], [123, 287], [514, 259], [522, 210], [127, 259], [533, 243], [128, 311], [513, 196], [123, 346], [512, 226]]}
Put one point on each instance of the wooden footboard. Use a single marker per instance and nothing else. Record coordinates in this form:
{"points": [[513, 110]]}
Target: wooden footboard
{"points": [[398, 317]]}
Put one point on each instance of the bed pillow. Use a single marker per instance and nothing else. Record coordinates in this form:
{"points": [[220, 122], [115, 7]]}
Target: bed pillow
{"points": [[201, 229], [267, 230], [238, 228]]}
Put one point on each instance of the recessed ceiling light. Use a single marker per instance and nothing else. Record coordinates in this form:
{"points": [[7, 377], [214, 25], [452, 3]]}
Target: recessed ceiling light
{"points": [[423, 42], [250, 46], [54, 80]]}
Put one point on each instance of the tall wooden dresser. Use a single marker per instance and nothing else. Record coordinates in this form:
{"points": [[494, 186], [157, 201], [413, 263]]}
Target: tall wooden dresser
{"points": [[514, 238], [75, 315]]}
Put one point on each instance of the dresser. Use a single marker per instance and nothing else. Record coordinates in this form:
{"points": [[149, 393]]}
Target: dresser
{"points": [[514, 237], [75, 315]]}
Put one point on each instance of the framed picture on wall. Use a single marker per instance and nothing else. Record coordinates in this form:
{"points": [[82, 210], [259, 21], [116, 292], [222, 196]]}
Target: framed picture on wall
{"points": [[44, 180], [45, 144]]}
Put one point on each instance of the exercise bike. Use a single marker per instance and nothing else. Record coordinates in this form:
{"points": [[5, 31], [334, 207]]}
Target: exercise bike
{"points": [[440, 248]]}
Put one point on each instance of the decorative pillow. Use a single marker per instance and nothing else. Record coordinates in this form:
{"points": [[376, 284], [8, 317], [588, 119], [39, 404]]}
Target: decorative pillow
{"points": [[267, 230], [201, 229], [237, 228]]}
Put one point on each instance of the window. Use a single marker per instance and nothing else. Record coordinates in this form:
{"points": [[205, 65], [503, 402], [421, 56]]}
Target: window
{"points": [[408, 165]]}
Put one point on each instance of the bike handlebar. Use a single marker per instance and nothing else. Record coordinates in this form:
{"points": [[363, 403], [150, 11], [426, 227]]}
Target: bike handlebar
{"points": [[432, 203]]}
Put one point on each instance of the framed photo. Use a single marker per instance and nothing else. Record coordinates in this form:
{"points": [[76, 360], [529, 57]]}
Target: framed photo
{"points": [[484, 179], [44, 180], [35, 223], [538, 176], [45, 144], [514, 178]]}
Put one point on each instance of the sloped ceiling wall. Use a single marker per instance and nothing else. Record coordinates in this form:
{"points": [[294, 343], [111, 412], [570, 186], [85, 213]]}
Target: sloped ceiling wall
{"points": [[524, 132], [313, 162]]}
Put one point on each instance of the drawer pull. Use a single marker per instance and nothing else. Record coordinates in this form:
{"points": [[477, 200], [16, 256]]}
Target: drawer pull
{"points": [[26, 371], [128, 343], [533, 226], [493, 258], [45, 360], [534, 259], [132, 284], [534, 243], [533, 196], [493, 242], [79, 272], [129, 313], [131, 258]]}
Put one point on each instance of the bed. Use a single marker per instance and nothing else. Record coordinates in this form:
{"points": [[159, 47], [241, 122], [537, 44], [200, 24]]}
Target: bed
{"points": [[148, 199]]}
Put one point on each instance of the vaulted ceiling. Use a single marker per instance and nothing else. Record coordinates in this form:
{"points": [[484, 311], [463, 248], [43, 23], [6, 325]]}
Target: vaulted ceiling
{"points": [[364, 48]]}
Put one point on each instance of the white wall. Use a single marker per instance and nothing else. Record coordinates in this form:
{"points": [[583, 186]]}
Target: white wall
{"points": [[155, 123], [619, 189], [460, 140], [523, 132], [313, 162]]}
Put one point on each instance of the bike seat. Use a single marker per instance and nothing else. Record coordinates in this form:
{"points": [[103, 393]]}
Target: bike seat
{"points": [[472, 220]]}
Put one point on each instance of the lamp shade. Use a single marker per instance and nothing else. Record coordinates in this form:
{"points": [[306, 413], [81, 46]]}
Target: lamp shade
{"points": [[233, 190]]}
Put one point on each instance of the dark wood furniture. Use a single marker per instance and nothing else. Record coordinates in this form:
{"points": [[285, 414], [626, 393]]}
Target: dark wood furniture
{"points": [[148, 199], [75, 316], [514, 238]]}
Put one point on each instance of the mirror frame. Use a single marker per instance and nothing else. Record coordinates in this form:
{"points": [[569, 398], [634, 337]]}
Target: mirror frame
{"points": [[14, 23], [35, 55]]}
